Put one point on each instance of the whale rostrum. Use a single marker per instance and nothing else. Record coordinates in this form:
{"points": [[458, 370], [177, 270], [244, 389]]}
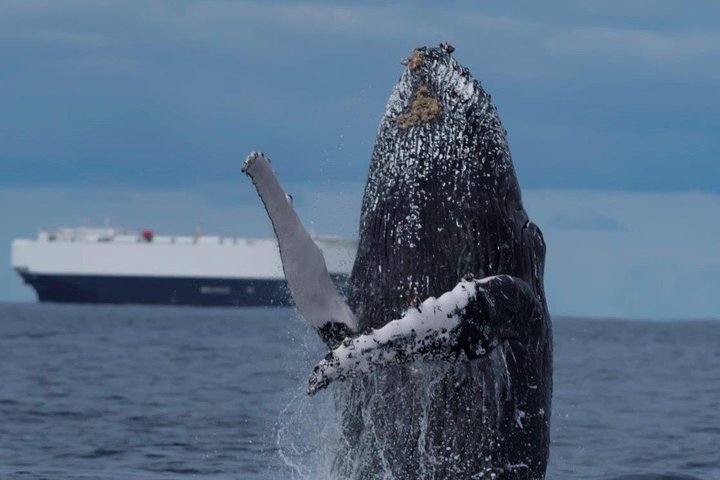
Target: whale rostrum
{"points": [[444, 346]]}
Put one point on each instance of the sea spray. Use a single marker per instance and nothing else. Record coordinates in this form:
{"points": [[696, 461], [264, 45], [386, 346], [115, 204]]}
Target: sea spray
{"points": [[306, 432], [309, 433]]}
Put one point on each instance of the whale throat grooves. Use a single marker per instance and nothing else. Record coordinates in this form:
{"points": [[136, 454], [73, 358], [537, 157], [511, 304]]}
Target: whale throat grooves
{"points": [[442, 200]]}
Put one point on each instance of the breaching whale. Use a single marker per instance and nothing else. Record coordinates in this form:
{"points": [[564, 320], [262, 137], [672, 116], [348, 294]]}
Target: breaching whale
{"points": [[444, 345]]}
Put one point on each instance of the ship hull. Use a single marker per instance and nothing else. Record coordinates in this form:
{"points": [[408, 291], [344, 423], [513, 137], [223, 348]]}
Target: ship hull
{"points": [[238, 292], [91, 265]]}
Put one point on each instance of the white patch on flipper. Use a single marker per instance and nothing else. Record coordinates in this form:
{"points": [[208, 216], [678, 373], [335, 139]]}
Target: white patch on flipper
{"points": [[398, 340]]}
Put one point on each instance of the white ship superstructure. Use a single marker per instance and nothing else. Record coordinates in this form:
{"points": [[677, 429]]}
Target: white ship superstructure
{"points": [[111, 265]]}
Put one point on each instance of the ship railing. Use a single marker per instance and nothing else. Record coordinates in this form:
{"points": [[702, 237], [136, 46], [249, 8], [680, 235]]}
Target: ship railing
{"points": [[126, 236]]}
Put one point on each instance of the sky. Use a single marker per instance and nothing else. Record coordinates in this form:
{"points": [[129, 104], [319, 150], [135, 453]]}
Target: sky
{"points": [[140, 114]]}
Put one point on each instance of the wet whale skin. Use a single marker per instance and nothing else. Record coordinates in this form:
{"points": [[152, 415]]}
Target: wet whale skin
{"points": [[442, 200]]}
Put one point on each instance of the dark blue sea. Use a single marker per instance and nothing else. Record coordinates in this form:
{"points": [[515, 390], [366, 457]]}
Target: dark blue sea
{"points": [[107, 392]]}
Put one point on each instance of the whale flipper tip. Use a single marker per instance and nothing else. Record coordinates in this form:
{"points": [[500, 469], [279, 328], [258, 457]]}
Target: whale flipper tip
{"points": [[250, 160]]}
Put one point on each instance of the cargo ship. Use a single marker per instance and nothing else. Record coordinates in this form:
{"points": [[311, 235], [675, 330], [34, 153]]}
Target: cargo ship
{"points": [[111, 265]]}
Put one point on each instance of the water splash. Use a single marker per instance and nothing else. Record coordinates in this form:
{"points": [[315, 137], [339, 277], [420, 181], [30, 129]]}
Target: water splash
{"points": [[313, 441]]}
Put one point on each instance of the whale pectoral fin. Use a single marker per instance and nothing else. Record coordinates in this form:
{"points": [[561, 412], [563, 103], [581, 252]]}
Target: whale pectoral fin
{"points": [[312, 288], [462, 324]]}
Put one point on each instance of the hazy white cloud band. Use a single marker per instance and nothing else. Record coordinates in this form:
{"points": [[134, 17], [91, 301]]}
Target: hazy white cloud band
{"points": [[615, 254]]}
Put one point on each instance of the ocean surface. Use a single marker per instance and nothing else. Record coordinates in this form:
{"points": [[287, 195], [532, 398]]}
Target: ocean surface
{"points": [[117, 392]]}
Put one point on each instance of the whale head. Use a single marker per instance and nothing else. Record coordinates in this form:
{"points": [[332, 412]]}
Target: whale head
{"points": [[442, 198]]}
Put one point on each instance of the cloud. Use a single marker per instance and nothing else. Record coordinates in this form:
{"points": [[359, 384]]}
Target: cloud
{"points": [[639, 9], [239, 23], [669, 289], [66, 37], [648, 45], [366, 21], [106, 62], [584, 220], [363, 21], [173, 92], [660, 264], [493, 23]]}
